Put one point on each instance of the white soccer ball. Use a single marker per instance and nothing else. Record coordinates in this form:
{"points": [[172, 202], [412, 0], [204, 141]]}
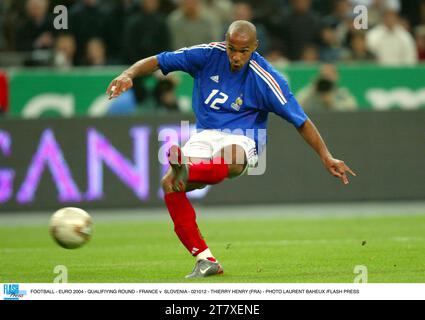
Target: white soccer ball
{"points": [[71, 227]]}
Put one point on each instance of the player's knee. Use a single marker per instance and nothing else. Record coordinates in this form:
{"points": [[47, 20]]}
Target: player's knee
{"points": [[236, 170]]}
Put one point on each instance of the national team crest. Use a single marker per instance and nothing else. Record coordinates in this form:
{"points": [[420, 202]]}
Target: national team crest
{"points": [[237, 104]]}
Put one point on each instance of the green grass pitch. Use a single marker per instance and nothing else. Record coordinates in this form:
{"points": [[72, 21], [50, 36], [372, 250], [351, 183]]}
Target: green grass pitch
{"points": [[322, 249]]}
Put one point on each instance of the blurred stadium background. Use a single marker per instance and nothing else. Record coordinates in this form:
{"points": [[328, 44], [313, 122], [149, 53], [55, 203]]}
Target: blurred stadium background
{"points": [[63, 143]]}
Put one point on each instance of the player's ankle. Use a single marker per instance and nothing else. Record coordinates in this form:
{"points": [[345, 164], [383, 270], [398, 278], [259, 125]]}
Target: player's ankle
{"points": [[206, 255], [212, 259]]}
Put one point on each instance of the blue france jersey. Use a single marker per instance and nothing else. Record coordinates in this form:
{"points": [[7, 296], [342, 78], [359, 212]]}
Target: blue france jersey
{"points": [[228, 100]]}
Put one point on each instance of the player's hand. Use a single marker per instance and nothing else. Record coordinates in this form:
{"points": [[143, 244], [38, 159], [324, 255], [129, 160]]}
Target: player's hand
{"points": [[338, 169], [119, 85]]}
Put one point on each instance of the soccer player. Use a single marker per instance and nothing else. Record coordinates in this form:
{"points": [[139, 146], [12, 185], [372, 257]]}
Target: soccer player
{"points": [[235, 89]]}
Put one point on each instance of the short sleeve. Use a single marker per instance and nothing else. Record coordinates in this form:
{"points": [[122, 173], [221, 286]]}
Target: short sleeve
{"points": [[280, 100], [190, 60]]}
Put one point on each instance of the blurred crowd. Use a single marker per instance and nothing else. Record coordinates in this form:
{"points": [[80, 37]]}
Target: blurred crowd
{"points": [[115, 32], [120, 32]]}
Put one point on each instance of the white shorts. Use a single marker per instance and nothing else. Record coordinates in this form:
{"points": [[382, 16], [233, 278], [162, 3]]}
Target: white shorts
{"points": [[207, 143]]}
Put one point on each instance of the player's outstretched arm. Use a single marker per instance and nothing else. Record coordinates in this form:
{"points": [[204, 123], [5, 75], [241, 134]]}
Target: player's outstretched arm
{"points": [[125, 80], [336, 167]]}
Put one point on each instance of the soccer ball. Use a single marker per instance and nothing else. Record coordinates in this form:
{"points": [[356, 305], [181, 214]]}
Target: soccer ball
{"points": [[71, 227]]}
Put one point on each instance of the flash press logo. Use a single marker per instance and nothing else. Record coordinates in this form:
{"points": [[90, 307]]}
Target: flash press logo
{"points": [[12, 292]]}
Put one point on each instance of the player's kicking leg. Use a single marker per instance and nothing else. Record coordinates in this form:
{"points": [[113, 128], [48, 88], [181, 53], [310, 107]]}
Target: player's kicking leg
{"points": [[183, 177]]}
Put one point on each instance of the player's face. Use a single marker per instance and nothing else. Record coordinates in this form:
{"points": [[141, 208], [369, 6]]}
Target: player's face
{"points": [[239, 50]]}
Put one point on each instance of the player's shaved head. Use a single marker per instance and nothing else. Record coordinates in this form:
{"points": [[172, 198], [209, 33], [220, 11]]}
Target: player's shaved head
{"points": [[241, 42], [242, 29]]}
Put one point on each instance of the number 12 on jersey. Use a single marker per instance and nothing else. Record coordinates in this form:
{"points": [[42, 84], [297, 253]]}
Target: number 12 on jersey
{"points": [[222, 98]]}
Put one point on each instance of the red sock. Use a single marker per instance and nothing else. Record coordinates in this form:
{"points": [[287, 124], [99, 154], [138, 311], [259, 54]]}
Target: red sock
{"points": [[184, 218], [209, 172]]}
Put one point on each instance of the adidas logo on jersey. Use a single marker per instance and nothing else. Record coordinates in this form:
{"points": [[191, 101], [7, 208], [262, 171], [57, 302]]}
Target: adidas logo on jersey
{"points": [[216, 79]]}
